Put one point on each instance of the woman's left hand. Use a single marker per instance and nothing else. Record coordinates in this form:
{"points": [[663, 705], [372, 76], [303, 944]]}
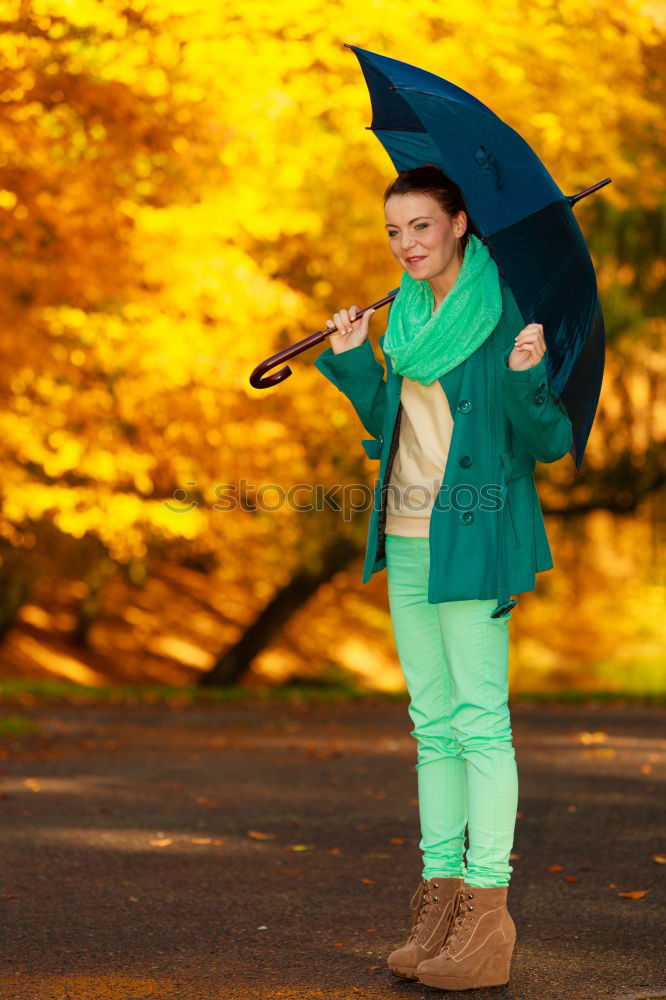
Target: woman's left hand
{"points": [[529, 349]]}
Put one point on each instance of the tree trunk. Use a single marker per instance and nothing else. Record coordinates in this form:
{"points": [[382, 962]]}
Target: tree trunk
{"points": [[88, 608], [234, 663], [16, 584]]}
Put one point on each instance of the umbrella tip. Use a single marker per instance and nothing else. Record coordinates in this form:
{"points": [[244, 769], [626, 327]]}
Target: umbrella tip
{"points": [[573, 198]]}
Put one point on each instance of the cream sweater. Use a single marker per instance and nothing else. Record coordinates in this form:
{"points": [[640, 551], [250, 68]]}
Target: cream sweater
{"points": [[418, 467]]}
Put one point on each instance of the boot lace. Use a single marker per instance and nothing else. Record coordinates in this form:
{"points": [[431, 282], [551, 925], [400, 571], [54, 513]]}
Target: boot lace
{"points": [[428, 907], [460, 921]]}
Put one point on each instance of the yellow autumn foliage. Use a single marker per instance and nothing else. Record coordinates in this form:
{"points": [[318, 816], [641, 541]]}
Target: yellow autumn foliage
{"points": [[186, 188]]}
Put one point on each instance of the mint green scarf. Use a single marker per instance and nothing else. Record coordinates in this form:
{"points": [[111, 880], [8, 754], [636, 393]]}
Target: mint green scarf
{"points": [[424, 345]]}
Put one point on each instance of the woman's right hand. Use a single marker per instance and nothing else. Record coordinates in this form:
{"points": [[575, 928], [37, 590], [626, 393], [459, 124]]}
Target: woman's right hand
{"points": [[350, 332]]}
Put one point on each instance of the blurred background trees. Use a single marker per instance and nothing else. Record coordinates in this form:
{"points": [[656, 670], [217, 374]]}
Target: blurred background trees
{"points": [[187, 188]]}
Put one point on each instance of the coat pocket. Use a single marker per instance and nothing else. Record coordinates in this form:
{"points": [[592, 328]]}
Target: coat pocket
{"points": [[515, 467], [514, 530]]}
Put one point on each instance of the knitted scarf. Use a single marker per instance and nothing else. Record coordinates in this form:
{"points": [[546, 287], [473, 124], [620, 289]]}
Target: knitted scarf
{"points": [[424, 345]]}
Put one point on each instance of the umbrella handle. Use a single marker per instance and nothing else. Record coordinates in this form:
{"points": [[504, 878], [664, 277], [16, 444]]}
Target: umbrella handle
{"points": [[260, 380]]}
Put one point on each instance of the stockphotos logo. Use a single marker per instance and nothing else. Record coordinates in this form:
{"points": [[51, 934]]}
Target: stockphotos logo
{"points": [[349, 498]]}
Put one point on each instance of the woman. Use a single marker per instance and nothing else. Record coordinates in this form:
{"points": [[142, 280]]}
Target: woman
{"points": [[467, 396]]}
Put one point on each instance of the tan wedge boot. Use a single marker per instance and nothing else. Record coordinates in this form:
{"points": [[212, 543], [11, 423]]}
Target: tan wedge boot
{"points": [[431, 909], [477, 950]]}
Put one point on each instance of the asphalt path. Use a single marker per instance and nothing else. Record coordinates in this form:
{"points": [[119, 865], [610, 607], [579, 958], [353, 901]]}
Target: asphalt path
{"points": [[267, 851]]}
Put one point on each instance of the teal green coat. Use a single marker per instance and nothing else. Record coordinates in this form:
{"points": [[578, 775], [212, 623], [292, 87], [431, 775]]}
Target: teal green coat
{"points": [[487, 534]]}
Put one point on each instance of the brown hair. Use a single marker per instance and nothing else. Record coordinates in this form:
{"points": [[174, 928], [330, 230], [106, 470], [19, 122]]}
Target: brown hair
{"points": [[429, 179]]}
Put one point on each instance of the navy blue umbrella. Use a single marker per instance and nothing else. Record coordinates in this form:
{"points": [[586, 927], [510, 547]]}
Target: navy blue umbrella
{"points": [[518, 211]]}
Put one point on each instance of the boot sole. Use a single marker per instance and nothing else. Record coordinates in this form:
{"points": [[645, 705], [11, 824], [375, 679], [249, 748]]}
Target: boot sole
{"points": [[480, 978], [403, 971]]}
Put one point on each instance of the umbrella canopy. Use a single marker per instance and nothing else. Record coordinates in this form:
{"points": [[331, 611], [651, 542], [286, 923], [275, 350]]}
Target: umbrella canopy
{"points": [[517, 209]]}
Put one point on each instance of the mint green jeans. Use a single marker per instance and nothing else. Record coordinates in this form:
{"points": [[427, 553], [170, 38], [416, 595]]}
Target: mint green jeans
{"points": [[454, 657]]}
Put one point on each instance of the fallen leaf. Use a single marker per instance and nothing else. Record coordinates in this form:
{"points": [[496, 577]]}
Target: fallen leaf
{"points": [[371, 930], [646, 769], [612, 885], [368, 881], [555, 868], [160, 842], [587, 737], [339, 944], [397, 840], [298, 847], [32, 784], [515, 857], [598, 752], [334, 850], [634, 894], [659, 859], [257, 835], [220, 742], [570, 878]]}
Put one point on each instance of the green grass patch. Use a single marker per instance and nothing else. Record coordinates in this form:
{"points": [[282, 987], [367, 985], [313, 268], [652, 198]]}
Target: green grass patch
{"points": [[28, 692], [12, 725], [580, 697]]}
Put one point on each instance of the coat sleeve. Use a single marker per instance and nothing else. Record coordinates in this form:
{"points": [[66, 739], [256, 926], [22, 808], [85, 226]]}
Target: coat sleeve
{"points": [[540, 424], [358, 375]]}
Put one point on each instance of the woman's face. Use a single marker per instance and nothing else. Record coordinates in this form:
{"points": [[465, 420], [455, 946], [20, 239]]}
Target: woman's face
{"points": [[418, 227]]}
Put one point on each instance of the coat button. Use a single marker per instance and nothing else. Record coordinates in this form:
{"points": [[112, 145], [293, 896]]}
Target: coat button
{"points": [[465, 461], [464, 406], [539, 400], [541, 387], [467, 516]]}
